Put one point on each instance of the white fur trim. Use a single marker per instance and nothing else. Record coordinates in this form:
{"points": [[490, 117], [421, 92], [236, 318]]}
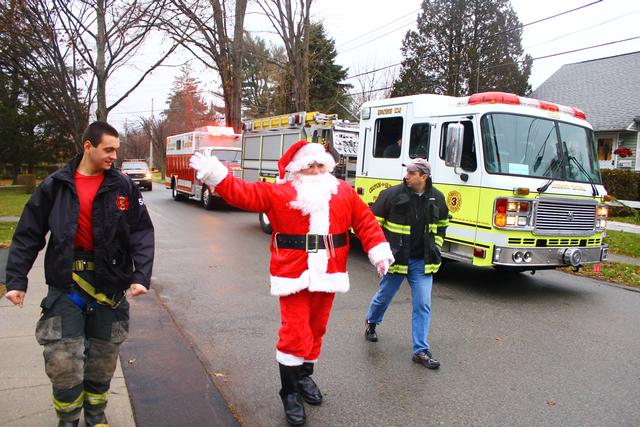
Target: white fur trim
{"points": [[281, 181], [282, 286], [332, 282], [288, 359], [309, 154], [215, 171], [379, 253]]}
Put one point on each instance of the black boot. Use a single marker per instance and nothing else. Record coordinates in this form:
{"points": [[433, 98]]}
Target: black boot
{"points": [[291, 399], [68, 423], [307, 387], [95, 419]]}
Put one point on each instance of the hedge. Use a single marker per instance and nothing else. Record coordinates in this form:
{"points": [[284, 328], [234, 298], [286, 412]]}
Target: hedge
{"points": [[621, 184]]}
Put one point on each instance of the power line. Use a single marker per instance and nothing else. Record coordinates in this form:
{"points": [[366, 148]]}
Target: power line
{"points": [[485, 37], [379, 28], [511, 63]]}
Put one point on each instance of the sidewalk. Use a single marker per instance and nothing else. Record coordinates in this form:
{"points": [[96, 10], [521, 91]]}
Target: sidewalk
{"points": [[623, 226], [25, 390]]}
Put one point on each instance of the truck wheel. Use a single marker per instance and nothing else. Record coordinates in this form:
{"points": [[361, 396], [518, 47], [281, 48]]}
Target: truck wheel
{"points": [[175, 193], [264, 223], [207, 198]]}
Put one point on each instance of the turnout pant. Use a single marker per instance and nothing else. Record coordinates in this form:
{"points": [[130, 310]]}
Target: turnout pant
{"points": [[80, 350], [304, 317]]}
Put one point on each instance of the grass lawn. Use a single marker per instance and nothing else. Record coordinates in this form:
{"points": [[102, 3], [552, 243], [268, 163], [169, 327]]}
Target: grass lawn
{"points": [[614, 272], [623, 243], [12, 201], [6, 233], [628, 219]]}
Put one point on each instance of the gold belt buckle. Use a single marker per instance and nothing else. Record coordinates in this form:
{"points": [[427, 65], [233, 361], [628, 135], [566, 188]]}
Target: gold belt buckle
{"points": [[306, 243]]}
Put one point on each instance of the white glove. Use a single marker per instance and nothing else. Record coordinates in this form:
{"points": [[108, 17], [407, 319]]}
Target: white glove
{"points": [[201, 164], [383, 267]]}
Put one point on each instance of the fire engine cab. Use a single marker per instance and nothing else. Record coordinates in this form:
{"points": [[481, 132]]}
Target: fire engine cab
{"points": [[264, 140], [520, 176], [218, 141]]}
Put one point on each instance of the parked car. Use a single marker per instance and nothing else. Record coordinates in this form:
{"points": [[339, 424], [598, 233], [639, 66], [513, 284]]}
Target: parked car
{"points": [[138, 171]]}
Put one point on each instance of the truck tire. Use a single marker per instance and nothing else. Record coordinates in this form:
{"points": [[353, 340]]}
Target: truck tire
{"points": [[175, 193], [207, 198], [265, 225]]}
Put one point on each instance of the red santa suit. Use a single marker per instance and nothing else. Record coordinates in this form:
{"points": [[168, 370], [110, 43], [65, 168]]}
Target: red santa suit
{"points": [[305, 281]]}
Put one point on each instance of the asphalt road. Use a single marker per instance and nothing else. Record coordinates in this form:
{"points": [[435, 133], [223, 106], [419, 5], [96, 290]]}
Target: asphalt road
{"points": [[520, 350]]}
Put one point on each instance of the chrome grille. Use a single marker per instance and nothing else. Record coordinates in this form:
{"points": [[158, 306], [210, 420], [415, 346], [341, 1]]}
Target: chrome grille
{"points": [[136, 175], [563, 217]]}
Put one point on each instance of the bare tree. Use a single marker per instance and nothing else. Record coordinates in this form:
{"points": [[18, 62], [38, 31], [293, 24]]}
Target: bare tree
{"points": [[106, 35], [46, 63], [214, 33], [156, 131], [372, 85], [292, 23]]}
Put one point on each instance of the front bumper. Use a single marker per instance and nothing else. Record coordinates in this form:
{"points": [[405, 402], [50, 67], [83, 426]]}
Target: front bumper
{"points": [[142, 182], [549, 256]]}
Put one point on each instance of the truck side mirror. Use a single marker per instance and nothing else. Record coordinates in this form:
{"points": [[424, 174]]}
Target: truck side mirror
{"points": [[455, 137]]}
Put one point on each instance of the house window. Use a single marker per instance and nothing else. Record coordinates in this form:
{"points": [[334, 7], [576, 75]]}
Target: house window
{"points": [[605, 148]]}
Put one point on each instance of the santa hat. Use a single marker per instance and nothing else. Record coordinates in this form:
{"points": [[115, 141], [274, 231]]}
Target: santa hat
{"points": [[301, 155]]}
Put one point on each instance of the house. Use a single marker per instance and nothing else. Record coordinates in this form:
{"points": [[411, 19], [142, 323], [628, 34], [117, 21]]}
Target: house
{"points": [[608, 91]]}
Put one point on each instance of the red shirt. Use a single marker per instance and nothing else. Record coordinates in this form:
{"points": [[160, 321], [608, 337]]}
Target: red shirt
{"points": [[87, 188]]}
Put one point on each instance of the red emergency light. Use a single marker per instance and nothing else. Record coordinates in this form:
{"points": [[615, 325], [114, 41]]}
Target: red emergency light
{"points": [[494, 98]]}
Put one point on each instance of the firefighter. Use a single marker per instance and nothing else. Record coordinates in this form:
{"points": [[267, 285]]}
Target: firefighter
{"points": [[311, 216], [414, 216], [101, 244]]}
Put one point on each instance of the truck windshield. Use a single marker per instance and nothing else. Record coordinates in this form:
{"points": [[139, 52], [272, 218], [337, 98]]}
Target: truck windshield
{"points": [[134, 165], [231, 156], [537, 147]]}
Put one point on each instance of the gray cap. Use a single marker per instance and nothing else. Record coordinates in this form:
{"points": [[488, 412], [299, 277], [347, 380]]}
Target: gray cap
{"points": [[418, 165]]}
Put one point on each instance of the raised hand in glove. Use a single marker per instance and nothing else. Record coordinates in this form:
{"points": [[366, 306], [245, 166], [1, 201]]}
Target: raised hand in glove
{"points": [[383, 267], [208, 169]]}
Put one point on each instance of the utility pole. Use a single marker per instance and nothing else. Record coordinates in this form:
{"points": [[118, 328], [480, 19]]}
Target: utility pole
{"points": [[151, 140]]}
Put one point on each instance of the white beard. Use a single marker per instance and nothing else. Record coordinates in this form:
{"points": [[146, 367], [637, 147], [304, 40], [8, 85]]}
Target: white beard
{"points": [[314, 193]]}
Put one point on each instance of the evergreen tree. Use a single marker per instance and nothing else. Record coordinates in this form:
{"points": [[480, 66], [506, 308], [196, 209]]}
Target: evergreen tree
{"points": [[259, 74], [462, 47], [326, 92], [187, 110]]}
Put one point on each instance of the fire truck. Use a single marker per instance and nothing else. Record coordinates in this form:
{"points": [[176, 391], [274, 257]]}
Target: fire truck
{"points": [[520, 176], [264, 140], [218, 141]]}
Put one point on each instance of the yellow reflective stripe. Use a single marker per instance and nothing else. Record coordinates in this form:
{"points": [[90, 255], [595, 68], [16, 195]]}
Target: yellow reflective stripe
{"points": [[88, 288], [399, 269], [431, 268], [397, 228], [381, 220], [442, 222], [439, 240], [433, 228], [68, 406], [95, 399]]}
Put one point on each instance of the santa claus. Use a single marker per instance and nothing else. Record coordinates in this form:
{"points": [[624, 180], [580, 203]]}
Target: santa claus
{"points": [[311, 215]]}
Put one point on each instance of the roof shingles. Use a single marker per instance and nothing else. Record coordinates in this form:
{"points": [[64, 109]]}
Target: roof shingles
{"points": [[606, 89]]}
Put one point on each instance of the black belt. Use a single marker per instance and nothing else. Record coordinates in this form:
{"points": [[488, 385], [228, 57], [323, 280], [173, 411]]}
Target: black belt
{"points": [[310, 242]]}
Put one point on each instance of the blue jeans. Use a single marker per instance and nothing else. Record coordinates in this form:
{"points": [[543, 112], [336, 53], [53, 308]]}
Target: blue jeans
{"points": [[420, 298]]}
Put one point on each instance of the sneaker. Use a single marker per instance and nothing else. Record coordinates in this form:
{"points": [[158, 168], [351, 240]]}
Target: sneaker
{"points": [[370, 332], [425, 358]]}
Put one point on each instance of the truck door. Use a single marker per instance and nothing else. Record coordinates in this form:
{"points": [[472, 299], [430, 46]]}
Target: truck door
{"points": [[385, 143], [462, 189]]}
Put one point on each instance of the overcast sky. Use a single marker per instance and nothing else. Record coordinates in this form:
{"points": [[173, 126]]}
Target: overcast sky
{"points": [[369, 33]]}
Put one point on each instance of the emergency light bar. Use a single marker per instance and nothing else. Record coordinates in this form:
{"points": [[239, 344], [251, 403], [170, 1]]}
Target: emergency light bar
{"points": [[513, 99]]}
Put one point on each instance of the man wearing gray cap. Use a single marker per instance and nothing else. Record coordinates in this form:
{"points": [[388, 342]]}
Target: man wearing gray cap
{"points": [[414, 217]]}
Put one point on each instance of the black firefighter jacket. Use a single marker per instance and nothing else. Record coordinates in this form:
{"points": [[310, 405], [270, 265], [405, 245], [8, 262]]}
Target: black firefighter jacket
{"points": [[393, 211], [122, 232]]}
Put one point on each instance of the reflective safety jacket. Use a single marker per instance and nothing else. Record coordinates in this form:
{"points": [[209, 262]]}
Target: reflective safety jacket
{"points": [[393, 211]]}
